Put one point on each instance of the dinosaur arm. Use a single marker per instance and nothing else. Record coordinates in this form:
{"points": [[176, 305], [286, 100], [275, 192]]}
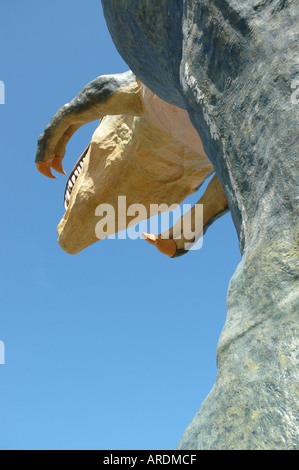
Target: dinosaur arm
{"points": [[106, 95], [172, 242]]}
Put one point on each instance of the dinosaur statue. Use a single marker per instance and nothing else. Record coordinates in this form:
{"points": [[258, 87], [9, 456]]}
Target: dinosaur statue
{"points": [[230, 65], [150, 153]]}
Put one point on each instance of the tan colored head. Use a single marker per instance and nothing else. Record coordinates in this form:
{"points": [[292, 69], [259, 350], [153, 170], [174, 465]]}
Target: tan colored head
{"points": [[151, 156]]}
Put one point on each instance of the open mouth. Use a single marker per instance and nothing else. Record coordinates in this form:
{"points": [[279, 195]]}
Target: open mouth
{"points": [[73, 178]]}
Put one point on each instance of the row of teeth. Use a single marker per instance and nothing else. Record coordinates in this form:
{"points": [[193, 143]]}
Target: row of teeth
{"points": [[71, 182]]}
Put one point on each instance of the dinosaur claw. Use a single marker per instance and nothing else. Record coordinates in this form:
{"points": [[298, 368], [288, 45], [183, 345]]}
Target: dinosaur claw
{"points": [[45, 168], [149, 238], [56, 164], [166, 246]]}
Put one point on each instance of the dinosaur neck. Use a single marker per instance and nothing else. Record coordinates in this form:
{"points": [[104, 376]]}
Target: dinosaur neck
{"points": [[173, 120]]}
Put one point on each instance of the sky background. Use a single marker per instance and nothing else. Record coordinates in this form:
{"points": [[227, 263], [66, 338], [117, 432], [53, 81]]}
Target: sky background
{"points": [[113, 348]]}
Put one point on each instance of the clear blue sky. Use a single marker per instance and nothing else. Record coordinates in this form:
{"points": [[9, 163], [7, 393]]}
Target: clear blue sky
{"points": [[113, 348]]}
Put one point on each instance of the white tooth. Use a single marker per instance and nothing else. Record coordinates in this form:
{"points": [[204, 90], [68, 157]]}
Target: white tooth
{"points": [[65, 204], [81, 164], [79, 168], [70, 184], [76, 172], [67, 195], [73, 179]]}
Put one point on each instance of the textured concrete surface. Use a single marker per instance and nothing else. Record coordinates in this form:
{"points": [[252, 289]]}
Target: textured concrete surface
{"points": [[231, 64]]}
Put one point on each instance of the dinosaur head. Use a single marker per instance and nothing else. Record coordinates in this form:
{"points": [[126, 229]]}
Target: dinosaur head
{"points": [[149, 154], [130, 157]]}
